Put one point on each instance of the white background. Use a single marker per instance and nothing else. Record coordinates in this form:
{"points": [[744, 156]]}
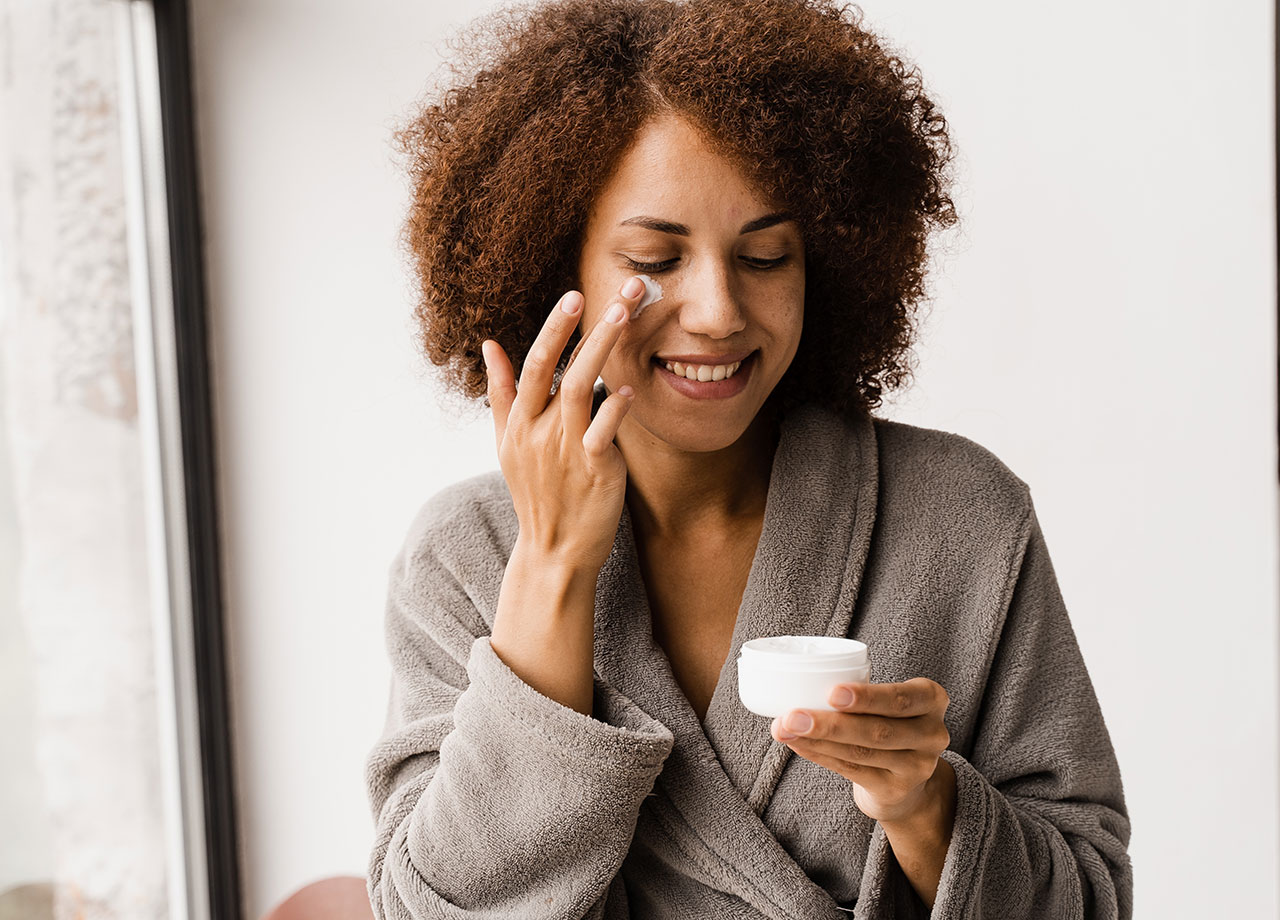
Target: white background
{"points": [[1104, 321]]}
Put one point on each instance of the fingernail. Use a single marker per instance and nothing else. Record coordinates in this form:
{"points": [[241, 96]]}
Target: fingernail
{"points": [[615, 313], [626, 391], [570, 302], [632, 287], [842, 697], [799, 722]]}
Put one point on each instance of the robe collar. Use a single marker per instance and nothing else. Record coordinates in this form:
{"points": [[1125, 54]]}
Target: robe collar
{"points": [[804, 580]]}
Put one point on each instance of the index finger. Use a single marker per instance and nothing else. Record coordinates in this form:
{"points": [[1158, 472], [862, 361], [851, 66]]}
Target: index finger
{"points": [[907, 698], [534, 389]]}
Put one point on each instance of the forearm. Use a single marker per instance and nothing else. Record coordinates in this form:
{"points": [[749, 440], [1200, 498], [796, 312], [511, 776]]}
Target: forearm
{"points": [[544, 628], [920, 845]]}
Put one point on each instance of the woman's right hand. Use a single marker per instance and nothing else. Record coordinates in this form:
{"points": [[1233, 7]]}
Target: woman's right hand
{"points": [[567, 478]]}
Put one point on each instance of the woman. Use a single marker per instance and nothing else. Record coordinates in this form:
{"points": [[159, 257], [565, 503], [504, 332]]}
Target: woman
{"points": [[564, 737]]}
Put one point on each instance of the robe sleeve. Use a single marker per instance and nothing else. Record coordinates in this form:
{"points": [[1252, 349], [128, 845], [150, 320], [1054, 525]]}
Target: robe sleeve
{"points": [[1041, 827], [489, 798]]}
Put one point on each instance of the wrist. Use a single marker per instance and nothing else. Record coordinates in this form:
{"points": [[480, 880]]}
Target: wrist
{"points": [[563, 587], [934, 817], [552, 566]]}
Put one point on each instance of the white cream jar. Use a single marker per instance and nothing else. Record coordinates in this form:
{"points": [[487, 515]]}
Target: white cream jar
{"points": [[777, 674]]}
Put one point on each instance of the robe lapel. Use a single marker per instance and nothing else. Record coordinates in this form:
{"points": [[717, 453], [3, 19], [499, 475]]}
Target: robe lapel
{"points": [[804, 580]]}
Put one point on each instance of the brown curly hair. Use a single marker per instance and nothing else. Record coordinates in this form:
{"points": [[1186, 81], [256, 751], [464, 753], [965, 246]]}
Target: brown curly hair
{"points": [[816, 114]]}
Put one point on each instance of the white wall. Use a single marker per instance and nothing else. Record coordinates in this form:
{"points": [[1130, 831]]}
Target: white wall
{"points": [[1104, 322]]}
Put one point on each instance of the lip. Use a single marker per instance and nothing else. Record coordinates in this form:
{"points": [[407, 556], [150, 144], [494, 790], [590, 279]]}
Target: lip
{"points": [[704, 359], [710, 389]]}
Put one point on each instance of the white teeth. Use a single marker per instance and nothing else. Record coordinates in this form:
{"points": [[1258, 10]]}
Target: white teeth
{"points": [[702, 372]]}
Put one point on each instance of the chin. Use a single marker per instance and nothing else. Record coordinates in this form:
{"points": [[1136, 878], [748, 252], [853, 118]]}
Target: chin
{"points": [[709, 433]]}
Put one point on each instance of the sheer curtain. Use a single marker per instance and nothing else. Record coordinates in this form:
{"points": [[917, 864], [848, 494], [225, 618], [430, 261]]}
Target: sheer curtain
{"points": [[82, 808]]}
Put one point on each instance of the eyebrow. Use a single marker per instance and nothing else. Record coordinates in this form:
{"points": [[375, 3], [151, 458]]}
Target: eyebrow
{"points": [[669, 226]]}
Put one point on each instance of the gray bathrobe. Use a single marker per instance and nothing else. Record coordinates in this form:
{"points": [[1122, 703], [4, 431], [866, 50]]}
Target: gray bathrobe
{"points": [[492, 800]]}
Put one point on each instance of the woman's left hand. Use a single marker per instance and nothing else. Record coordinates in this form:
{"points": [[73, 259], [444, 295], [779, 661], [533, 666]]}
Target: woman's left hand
{"points": [[886, 740]]}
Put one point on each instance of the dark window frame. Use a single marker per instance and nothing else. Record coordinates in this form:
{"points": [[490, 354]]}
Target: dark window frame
{"points": [[195, 398]]}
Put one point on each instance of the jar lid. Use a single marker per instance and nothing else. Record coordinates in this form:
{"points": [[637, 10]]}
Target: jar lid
{"points": [[824, 651]]}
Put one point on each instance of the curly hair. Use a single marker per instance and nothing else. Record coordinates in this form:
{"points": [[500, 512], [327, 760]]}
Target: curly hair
{"points": [[814, 112]]}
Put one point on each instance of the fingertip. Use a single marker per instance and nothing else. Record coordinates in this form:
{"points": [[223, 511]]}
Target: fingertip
{"points": [[626, 391], [571, 302], [842, 696]]}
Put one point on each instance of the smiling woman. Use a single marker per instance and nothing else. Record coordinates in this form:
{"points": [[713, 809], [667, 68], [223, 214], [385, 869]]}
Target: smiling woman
{"points": [[565, 737], [505, 171], [734, 270]]}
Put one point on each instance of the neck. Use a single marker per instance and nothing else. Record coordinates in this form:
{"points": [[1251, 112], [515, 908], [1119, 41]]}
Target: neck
{"points": [[672, 493]]}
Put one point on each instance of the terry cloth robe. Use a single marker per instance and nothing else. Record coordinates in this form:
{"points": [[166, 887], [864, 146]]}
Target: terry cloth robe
{"points": [[492, 800]]}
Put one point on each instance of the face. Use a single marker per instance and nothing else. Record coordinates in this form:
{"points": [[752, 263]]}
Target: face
{"points": [[732, 278]]}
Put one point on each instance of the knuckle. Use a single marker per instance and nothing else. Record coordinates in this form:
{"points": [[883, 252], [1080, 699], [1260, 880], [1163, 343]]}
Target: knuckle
{"points": [[518, 426], [901, 700], [854, 767], [881, 732], [574, 387], [535, 436], [861, 752]]}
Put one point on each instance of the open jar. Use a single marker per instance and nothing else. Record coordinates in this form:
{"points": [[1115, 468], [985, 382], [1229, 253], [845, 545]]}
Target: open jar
{"points": [[777, 674]]}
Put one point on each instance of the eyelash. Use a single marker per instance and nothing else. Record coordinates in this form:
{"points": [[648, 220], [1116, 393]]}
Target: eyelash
{"points": [[656, 267]]}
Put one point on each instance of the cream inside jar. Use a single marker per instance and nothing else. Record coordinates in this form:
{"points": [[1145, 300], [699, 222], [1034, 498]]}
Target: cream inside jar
{"points": [[777, 674]]}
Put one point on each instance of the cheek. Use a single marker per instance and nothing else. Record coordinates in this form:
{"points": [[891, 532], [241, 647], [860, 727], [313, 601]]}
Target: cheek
{"points": [[626, 351], [787, 316], [797, 293], [783, 297]]}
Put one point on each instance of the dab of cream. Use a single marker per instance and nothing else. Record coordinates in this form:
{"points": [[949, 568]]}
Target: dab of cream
{"points": [[652, 293]]}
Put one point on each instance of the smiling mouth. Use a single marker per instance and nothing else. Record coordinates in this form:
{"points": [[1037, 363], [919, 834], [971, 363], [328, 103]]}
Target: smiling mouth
{"points": [[741, 365]]}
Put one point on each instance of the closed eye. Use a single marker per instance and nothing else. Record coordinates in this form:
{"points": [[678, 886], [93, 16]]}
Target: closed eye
{"points": [[657, 267]]}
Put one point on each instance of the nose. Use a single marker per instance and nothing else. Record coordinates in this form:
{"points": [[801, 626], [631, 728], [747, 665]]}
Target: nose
{"points": [[709, 306]]}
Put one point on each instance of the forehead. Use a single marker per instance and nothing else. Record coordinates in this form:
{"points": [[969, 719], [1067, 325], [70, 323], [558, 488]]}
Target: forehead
{"points": [[669, 168]]}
